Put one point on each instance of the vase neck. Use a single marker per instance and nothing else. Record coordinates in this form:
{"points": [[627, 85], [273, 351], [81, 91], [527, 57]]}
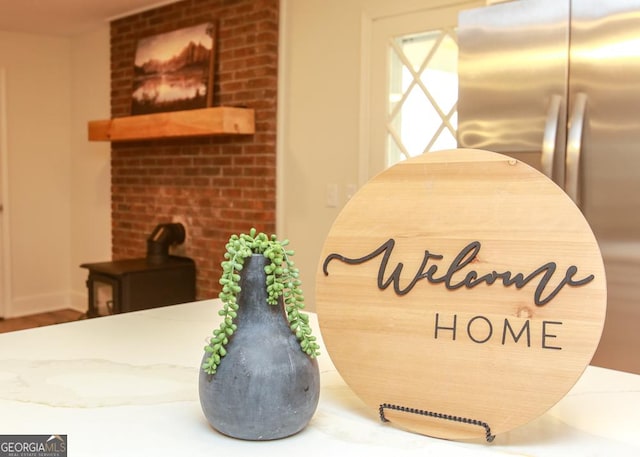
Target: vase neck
{"points": [[252, 299]]}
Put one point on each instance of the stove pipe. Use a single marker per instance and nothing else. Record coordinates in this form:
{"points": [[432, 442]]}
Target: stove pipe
{"points": [[162, 237]]}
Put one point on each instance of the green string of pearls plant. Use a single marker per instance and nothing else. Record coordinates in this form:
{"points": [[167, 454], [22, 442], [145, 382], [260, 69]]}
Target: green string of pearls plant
{"points": [[282, 281]]}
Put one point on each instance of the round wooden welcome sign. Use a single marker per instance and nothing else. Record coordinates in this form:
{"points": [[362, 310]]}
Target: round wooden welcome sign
{"points": [[461, 294]]}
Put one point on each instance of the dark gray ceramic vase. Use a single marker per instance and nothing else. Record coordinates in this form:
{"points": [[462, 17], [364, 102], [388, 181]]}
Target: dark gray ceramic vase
{"points": [[266, 387]]}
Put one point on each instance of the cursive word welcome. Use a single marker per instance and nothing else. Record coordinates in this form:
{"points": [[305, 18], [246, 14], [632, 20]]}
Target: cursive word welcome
{"points": [[454, 278]]}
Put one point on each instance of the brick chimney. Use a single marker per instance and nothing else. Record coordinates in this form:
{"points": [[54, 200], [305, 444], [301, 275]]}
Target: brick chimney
{"points": [[215, 185]]}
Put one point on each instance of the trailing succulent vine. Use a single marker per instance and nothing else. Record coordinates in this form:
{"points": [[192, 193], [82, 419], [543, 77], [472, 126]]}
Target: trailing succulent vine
{"points": [[282, 281]]}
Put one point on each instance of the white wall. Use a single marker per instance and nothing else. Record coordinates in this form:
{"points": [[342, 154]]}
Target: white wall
{"points": [[322, 135], [90, 161], [319, 125], [58, 184], [38, 207]]}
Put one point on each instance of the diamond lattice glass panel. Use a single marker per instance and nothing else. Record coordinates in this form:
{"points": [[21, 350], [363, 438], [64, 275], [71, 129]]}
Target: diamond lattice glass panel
{"points": [[441, 74], [396, 68], [454, 121], [417, 47], [394, 153], [417, 116], [423, 92], [445, 140]]}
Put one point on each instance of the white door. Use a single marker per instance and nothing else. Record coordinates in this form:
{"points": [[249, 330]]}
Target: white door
{"points": [[411, 106]]}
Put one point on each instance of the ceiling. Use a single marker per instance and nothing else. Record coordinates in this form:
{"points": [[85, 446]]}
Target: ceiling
{"points": [[67, 17]]}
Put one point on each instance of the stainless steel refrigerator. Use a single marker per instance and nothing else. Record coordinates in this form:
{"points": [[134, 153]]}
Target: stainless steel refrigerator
{"points": [[556, 84]]}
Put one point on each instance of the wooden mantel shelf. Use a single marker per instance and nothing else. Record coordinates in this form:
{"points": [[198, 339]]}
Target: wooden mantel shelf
{"points": [[219, 120]]}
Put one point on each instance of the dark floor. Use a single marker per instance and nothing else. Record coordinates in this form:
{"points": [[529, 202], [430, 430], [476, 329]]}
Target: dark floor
{"points": [[39, 320]]}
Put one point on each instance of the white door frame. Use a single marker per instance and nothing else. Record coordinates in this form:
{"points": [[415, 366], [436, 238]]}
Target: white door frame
{"points": [[374, 78], [5, 251]]}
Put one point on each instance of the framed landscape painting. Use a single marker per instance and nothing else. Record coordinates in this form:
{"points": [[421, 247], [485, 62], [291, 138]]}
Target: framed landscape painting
{"points": [[174, 71]]}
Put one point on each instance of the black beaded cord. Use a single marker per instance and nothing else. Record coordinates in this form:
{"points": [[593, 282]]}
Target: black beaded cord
{"points": [[464, 420]]}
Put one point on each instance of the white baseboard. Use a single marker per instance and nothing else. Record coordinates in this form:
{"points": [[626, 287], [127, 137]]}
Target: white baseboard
{"points": [[79, 301], [43, 303]]}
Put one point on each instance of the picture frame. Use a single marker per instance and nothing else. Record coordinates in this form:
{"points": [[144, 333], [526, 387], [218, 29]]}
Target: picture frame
{"points": [[174, 71]]}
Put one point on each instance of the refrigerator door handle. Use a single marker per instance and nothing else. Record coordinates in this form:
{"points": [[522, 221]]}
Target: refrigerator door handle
{"points": [[574, 146], [550, 134]]}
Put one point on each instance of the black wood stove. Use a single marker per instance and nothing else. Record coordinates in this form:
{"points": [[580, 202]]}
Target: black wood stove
{"points": [[159, 279]]}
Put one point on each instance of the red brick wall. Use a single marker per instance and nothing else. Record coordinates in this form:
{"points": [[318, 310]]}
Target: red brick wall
{"points": [[219, 185]]}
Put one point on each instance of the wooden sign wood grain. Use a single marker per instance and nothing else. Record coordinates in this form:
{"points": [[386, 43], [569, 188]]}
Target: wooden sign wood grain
{"points": [[460, 288]]}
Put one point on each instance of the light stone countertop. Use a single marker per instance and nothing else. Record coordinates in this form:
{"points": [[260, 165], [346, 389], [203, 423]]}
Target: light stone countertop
{"points": [[127, 385]]}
